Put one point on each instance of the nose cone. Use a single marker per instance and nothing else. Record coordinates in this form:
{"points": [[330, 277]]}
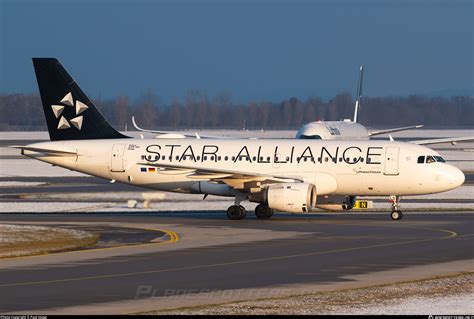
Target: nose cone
{"points": [[457, 177], [452, 177]]}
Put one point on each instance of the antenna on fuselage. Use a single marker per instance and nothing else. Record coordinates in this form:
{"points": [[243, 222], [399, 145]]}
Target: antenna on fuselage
{"points": [[359, 94]]}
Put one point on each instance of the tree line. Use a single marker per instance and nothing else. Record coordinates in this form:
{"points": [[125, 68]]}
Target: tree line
{"points": [[196, 110]]}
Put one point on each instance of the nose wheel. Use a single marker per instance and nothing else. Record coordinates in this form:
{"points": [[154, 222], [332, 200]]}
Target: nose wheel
{"points": [[236, 212], [396, 212], [396, 215]]}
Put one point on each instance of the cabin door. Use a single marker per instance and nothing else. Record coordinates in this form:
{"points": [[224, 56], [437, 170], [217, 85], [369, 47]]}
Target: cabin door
{"points": [[117, 158], [391, 160]]}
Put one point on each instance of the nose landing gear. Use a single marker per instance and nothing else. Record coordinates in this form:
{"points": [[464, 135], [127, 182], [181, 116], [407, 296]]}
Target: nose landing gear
{"points": [[396, 212]]}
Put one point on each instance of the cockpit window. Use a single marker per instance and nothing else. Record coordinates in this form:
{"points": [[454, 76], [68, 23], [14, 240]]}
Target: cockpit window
{"points": [[430, 159], [309, 137]]}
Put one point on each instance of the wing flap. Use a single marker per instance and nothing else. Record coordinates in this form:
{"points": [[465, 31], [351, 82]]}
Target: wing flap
{"points": [[398, 129]]}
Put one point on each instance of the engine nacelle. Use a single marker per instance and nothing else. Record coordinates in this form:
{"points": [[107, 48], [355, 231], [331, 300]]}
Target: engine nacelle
{"points": [[336, 203], [287, 197]]}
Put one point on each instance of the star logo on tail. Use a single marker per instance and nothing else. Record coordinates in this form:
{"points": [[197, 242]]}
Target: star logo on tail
{"points": [[68, 101]]}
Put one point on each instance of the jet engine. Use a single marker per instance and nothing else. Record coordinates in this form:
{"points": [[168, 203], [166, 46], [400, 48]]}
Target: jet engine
{"points": [[336, 203], [287, 197]]}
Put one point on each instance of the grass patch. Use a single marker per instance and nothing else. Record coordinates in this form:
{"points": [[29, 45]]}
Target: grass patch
{"points": [[26, 240]]}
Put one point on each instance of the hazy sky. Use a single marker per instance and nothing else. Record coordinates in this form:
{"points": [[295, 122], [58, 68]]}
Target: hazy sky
{"points": [[252, 49]]}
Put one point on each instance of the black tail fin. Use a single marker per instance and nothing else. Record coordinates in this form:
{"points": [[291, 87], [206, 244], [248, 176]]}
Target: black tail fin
{"points": [[70, 115]]}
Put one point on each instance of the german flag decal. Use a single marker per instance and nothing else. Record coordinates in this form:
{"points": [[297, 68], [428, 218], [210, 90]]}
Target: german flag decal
{"points": [[151, 169]]}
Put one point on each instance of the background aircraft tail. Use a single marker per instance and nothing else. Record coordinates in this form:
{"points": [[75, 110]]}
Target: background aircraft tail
{"points": [[359, 94], [70, 115]]}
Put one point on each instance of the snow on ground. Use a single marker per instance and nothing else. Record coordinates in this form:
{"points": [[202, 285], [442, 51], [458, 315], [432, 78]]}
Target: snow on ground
{"points": [[11, 234], [463, 192], [19, 184], [31, 167], [453, 295], [453, 305]]}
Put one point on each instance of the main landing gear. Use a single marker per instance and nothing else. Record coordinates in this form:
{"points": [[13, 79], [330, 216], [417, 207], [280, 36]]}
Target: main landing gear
{"points": [[236, 212], [263, 211], [396, 212]]}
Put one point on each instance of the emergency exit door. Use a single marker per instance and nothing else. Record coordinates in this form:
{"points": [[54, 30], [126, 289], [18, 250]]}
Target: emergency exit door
{"points": [[117, 158], [391, 160]]}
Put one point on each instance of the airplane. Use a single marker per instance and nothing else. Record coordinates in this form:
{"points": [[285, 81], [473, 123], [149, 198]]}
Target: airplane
{"points": [[346, 129], [289, 175]]}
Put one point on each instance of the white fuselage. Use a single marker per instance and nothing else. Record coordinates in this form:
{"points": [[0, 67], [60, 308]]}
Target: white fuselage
{"points": [[335, 167]]}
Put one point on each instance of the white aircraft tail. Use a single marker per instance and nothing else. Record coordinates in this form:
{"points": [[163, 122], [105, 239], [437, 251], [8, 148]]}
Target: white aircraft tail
{"points": [[359, 94]]}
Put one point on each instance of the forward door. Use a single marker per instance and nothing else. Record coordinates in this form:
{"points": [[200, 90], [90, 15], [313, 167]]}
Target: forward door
{"points": [[391, 160]]}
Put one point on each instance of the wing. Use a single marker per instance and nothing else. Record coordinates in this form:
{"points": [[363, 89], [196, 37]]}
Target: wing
{"points": [[451, 140], [236, 179], [398, 129], [168, 134]]}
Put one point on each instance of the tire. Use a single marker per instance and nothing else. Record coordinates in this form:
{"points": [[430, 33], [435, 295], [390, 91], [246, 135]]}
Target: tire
{"points": [[243, 212], [263, 212], [235, 212], [396, 215]]}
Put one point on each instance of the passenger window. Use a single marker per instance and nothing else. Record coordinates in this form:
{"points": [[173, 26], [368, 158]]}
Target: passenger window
{"points": [[421, 159]]}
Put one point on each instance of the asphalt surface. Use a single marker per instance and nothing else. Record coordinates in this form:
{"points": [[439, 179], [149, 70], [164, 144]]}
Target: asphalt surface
{"points": [[326, 248]]}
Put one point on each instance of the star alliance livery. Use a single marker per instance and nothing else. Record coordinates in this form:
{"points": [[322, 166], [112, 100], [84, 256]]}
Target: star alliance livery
{"points": [[289, 175]]}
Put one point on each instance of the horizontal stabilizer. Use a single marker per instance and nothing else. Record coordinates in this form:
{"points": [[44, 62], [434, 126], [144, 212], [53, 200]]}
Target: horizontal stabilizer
{"points": [[45, 150]]}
